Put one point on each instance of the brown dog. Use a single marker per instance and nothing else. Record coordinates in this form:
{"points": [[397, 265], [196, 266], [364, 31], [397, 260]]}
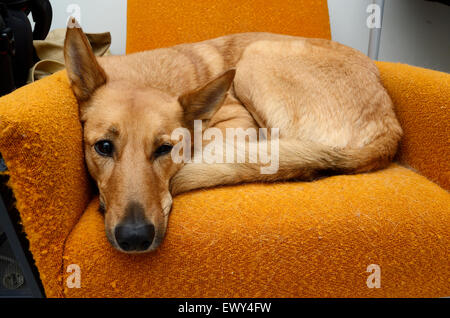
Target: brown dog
{"points": [[333, 115]]}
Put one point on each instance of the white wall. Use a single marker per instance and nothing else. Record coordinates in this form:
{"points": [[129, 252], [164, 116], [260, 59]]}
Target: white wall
{"points": [[415, 32], [96, 16], [348, 22]]}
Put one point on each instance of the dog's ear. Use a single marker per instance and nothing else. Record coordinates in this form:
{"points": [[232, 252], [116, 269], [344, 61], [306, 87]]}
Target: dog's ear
{"points": [[85, 74], [204, 102]]}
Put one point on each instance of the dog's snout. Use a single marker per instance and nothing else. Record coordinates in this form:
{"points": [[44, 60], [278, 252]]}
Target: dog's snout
{"points": [[134, 236]]}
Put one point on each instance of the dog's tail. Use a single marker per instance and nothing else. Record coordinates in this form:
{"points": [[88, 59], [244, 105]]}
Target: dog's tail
{"points": [[294, 159]]}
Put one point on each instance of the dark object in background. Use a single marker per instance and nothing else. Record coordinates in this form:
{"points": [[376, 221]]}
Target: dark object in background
{"points": [[17, 53], [447, 2], [19, 276]]}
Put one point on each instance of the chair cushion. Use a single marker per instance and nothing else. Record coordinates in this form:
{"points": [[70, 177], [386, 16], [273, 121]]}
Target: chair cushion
{"points": [[159, 23], [291, 239]]}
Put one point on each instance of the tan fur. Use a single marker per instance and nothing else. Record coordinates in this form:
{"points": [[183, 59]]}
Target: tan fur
{"points": [[333, 113]]}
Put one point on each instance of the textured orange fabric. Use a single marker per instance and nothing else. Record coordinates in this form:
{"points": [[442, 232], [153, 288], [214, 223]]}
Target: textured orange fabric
{"points": [[40, 140], [285, 240], [160, 23], [422, 103]]}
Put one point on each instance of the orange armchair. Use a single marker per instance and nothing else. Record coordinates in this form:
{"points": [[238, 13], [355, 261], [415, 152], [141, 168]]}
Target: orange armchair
{"points": [[291, 239]]}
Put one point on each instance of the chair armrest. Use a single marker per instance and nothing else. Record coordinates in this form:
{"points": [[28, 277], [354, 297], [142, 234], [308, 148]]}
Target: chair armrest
{"points": [[41, 143], [422, 104]]}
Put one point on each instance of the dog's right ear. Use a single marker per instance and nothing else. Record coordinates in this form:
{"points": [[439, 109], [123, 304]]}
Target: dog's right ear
{"points": [[85, 74]]}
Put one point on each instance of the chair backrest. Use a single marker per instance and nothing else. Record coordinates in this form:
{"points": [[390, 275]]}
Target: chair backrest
{"points": [[162, 23]]}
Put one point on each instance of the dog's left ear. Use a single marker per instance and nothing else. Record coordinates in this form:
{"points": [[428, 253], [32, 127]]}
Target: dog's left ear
{"points": [[85, 74], [204, 102]]}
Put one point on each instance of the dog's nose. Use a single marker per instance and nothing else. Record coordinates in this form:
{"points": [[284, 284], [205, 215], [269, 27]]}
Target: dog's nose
{"points": [[134, 236]]}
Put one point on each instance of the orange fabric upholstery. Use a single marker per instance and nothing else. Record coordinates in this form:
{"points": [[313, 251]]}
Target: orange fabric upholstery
{"points": [[422, 103], [160, 23], [41, 142], [286, 240]]}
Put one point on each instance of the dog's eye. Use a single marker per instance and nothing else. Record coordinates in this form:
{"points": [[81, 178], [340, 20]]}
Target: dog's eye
{"points": [[104, 148], [163, 149]]}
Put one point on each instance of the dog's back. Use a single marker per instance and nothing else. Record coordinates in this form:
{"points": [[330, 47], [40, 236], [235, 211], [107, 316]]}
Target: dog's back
{"points": [[326, 99]]}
